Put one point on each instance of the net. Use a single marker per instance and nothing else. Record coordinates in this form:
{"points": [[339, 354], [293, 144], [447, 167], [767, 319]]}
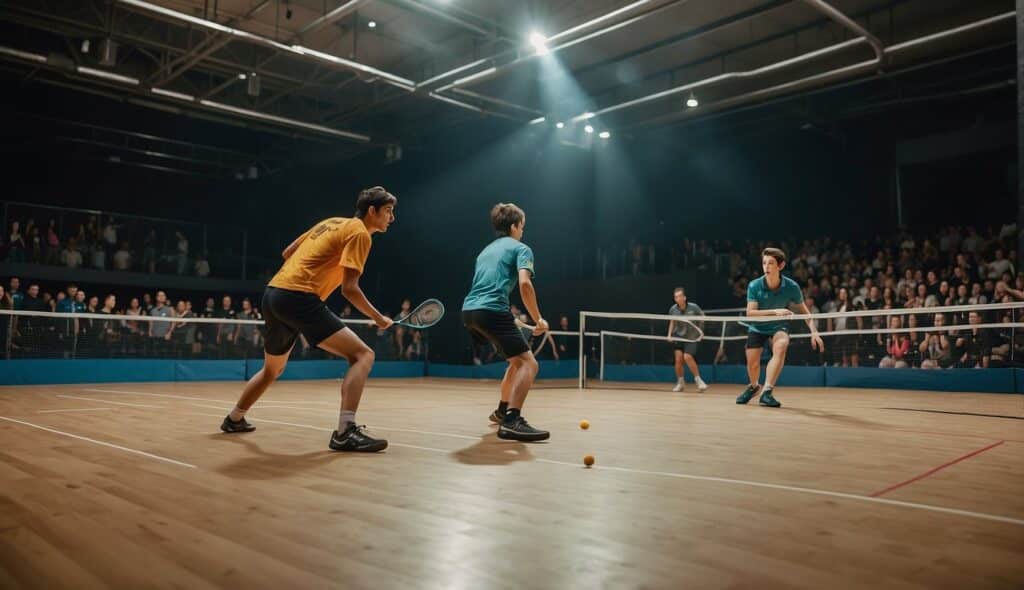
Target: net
{"points": [[622, 348], [174, 335]]}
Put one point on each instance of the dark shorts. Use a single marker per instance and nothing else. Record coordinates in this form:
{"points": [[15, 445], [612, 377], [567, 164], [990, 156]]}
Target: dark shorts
{"points": [[289, 313], [758, 340], [689, 348], [497, 328]]}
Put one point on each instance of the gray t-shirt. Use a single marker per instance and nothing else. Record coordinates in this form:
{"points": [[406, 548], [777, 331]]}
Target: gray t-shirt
{"points": [[160, 329], [687, 329]]}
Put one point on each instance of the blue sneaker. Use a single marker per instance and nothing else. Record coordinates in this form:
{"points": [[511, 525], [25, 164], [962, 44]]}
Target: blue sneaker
{"points": [[747, 394]]}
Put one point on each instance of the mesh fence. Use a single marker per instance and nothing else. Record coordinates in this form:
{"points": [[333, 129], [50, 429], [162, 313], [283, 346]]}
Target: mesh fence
{"points": [[41, 335]]}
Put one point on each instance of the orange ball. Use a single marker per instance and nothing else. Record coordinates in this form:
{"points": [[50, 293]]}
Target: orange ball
{"points": [[584, 424], [588, 460]]}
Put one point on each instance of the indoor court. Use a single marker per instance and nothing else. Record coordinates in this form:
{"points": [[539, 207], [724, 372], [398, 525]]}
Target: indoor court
{"points": [[119, 485]]}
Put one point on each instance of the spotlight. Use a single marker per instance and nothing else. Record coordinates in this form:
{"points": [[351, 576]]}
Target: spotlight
{"points": [[372, 24], [586, 116], [537, 120], [559, 124], [242, 76], [692, 101], [604, 135], [539, 42], [589, 129]]}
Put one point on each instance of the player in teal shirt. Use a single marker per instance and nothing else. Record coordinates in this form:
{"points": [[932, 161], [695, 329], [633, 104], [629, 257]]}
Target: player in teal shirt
{"points": [[503, 264], [772, 295]]}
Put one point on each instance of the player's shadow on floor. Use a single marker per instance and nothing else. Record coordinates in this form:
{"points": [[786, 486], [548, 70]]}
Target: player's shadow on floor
{"points": [[490, 450], [840, 418], [260, 464]]}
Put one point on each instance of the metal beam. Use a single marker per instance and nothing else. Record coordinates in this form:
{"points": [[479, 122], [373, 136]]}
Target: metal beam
{"points": [[824, 77], [332, 16]]}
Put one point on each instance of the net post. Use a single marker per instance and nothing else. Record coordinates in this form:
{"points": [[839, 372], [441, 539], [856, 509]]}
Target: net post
{"points": [[600, 343], [581, 378]]}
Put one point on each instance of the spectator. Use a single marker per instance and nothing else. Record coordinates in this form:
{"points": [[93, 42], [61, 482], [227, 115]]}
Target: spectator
{"points": [[160, 332], [208, 330], [122, 258], [936, 348], [16, 243], [6, 323], [182, 256], [109, 235], [202, 266], [414, 351], [184, 332], [15, 293], [52, 243], [35, 245], [147, 303], [71, 257], [975, 344], [149, 252], [897, 344], [247, 336], [133, 333], [225, 332]]}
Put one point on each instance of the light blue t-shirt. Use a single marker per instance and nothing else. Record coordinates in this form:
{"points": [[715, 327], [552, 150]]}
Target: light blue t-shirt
{"points": [[497, 272], [787, 293]]}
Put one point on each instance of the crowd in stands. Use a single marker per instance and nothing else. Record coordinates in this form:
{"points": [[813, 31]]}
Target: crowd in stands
{"points": [[34, 336], [956, 267], [109, 245]]}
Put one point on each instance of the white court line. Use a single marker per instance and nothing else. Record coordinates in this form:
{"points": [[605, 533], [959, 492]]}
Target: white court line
{"points": [[99, 442], [194, 397], [73, 410], [742, 482], [103, 401]]}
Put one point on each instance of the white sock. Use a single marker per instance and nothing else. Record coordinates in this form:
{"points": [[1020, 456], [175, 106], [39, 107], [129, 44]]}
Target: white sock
{"points": [[699, 380], [344, 418], [768, 385], [681, 380], [237, 414]]}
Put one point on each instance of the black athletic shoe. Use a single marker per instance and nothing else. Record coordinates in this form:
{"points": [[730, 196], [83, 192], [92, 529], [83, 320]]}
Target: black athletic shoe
{"points": [[497, 417], [768, 400], [355, 440], [747, 394], [229, 425], [522, 431]]}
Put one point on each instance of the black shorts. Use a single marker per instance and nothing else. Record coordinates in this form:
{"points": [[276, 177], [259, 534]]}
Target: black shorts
{"points": [[498, 328], [288, 313], [689, 348], [758, 340]]}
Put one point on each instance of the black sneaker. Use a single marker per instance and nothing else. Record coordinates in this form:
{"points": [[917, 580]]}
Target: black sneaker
{"points": [[522, 431], [229, 425], [768, 400], [747, 394], [497, 417], [355, 440]]}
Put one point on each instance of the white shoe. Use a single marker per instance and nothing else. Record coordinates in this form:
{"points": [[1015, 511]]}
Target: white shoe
{"points": [[679, 386], [701, 386]]}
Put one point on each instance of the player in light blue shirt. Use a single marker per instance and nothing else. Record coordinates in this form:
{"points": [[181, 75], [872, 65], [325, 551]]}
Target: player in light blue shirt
{"points": [[772, 295], [501, 266]]}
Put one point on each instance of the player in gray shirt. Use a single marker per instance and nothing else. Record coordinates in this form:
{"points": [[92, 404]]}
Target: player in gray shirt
{"points": [[689, 330]]}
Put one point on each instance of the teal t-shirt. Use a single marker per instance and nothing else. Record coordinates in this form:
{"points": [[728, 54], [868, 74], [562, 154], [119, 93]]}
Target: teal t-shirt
{"points": [[496, 273], [787, 293]]}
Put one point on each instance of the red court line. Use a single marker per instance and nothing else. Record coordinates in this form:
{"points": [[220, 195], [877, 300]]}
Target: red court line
{"points": [[935, 469]]}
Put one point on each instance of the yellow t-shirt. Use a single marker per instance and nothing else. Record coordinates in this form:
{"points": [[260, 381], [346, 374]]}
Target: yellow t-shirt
{"points": [[318, 264]]}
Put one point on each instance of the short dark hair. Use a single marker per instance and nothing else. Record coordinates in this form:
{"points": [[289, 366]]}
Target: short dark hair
{"points": [[374, 196], [679, 290], [775, 253], [504, 216]]}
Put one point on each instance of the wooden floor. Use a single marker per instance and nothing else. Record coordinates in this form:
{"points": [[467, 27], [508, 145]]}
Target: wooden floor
{"points": [[134, 486]]}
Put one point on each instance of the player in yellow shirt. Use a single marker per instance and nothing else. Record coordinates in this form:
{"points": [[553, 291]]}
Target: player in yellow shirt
{"points": [[331, 254]]}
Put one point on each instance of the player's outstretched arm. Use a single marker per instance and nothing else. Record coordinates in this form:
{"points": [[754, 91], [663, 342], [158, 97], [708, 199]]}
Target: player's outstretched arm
{"points": [[351, 290], [529, 296]]}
